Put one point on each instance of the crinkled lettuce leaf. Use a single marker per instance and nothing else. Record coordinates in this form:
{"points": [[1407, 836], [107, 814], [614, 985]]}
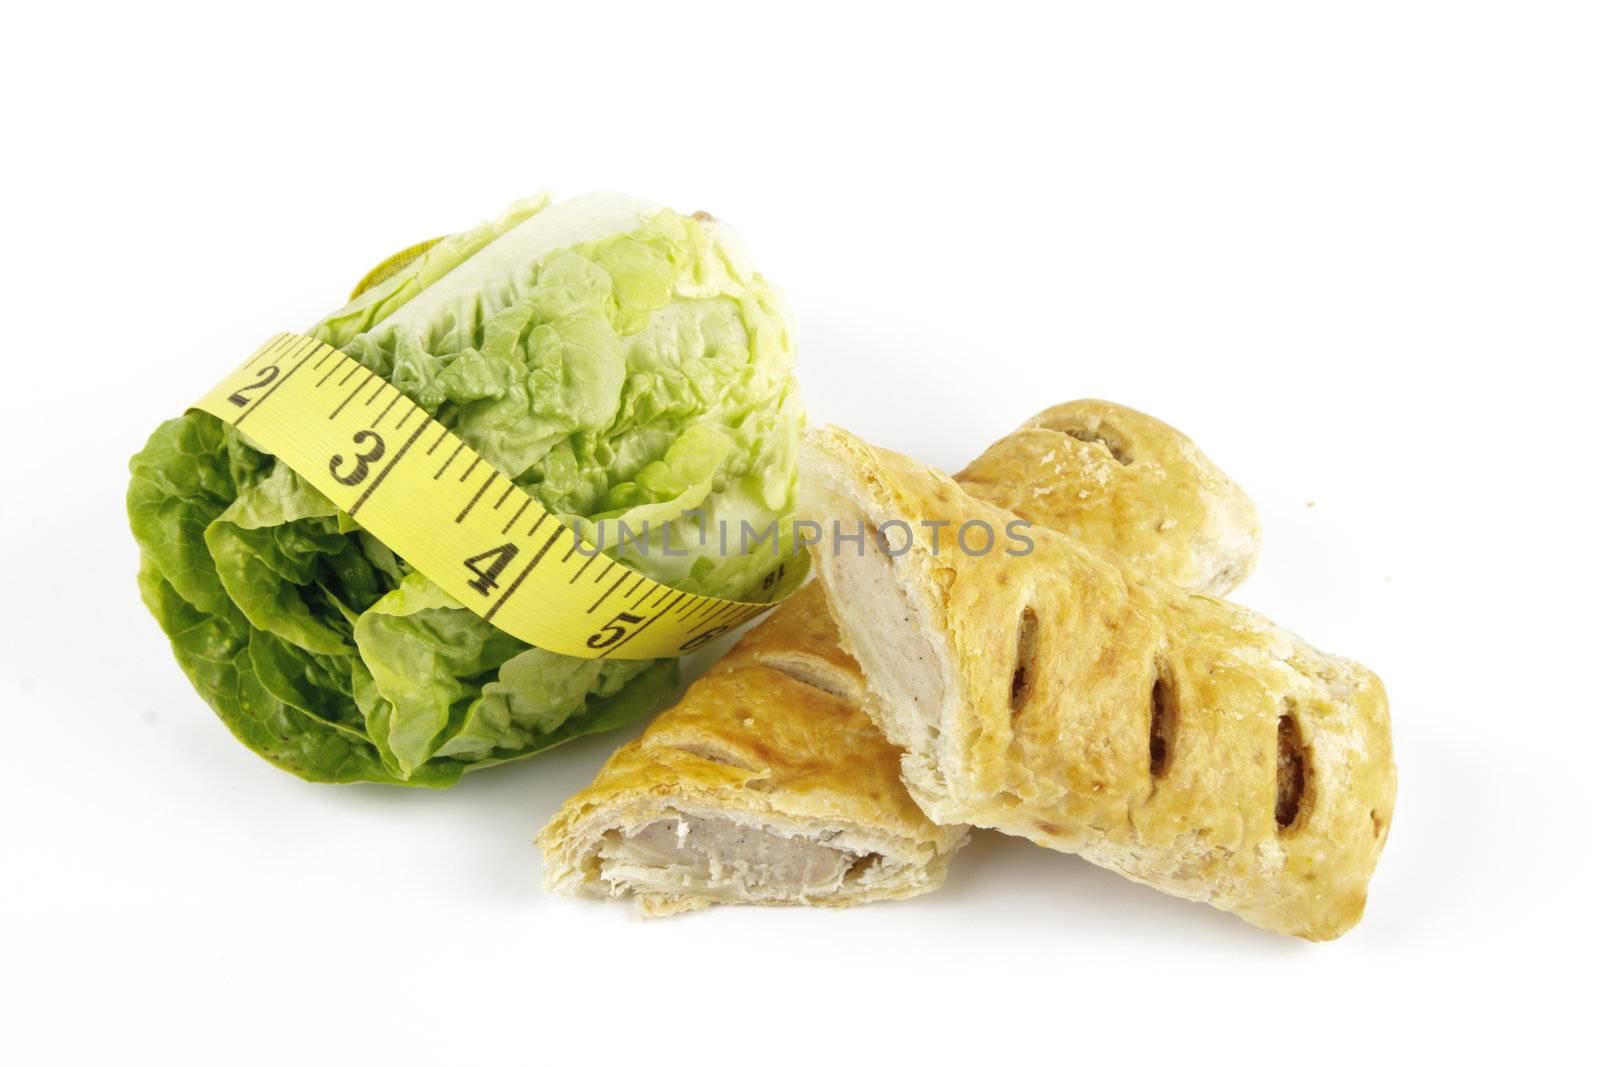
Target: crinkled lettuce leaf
{"points": [[620, 365]]}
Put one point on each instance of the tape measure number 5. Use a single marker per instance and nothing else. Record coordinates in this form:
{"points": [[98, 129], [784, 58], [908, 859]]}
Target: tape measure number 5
{"points": [[419, 489]]}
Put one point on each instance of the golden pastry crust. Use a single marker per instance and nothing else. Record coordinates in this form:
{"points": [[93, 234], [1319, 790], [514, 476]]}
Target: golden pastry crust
{"points": [[1064, 697], [1119, 480], [800, 638], [774, 740]]}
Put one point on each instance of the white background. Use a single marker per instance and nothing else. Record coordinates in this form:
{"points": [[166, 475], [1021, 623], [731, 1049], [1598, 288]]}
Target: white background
{"points": [[1352, 249]]}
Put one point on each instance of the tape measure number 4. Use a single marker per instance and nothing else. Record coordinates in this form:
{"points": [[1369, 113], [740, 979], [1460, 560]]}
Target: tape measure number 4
{"points": [[435, 502]]}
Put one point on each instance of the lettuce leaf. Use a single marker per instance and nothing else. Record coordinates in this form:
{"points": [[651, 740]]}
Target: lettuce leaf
{"points": [[620, 362]]}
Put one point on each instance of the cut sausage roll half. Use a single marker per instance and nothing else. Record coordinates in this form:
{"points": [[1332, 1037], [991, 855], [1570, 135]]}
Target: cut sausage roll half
{"points": [[1065, 697], [768, 783], [765, 785]]}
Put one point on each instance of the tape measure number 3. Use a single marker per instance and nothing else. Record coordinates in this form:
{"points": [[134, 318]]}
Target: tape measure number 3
{"points": [[435, 502]]}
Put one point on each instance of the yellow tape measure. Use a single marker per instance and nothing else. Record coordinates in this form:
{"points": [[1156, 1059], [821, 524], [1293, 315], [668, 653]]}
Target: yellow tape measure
{"points": [[392, 266], [419, 489]]}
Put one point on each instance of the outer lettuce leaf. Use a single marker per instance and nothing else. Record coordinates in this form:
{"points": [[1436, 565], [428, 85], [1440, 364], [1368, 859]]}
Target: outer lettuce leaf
{"points": [[384, 299], [635, 378]]}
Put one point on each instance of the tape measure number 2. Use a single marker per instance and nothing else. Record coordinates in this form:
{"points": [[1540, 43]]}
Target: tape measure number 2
{"points": [[419, 489]]}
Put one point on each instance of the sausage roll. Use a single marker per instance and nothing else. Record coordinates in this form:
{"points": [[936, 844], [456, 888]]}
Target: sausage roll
{"points": [[1064, 696]]}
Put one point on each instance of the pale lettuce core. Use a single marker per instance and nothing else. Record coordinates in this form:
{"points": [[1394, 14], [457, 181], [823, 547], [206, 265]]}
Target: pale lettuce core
{"points": [[617, 360]]}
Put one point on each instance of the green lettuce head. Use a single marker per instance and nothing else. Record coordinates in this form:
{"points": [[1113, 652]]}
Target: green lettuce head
{"points": [[619, 361]]}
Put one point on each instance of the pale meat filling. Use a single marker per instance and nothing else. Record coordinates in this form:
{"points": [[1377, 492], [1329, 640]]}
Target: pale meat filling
{"points": [[884, 626], [724, 860]]}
